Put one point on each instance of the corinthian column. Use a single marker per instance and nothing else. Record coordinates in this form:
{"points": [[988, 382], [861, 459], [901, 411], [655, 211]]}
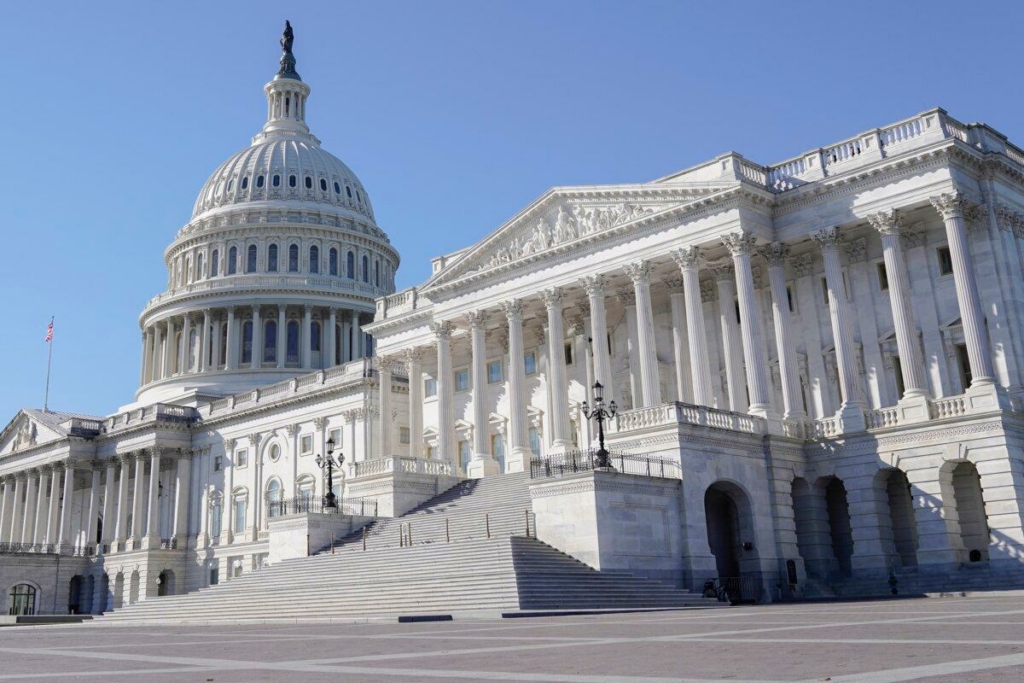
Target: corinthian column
{"points": [[445, 394], [640, 273], [741, 245], [519, 445], [168, 358], [231, 362], [482, 463], [558, 381], [950, 206], [156, 359], [687, 258], [594, 286], [850, 414], [725, 280], [385, 368], [415, 372], [888, 224], [680, 344], [206, 342], [776, 254], [153, 514]]}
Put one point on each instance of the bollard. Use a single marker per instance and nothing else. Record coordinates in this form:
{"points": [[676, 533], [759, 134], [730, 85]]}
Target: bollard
{"points": [[487, 521], [447, 535], [307, 545], [527, 523], [332, 543], [364, 539], [401, 536], [410, 533]]}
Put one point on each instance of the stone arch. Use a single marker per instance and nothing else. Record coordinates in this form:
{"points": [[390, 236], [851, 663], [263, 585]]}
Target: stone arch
{"points": [[165, 582], [88, 592], [730, 529], [23, 598], [118, 589], [273, 494], [133, 586], [899, 523], [75, 588], [969, 506], [840, 529]]}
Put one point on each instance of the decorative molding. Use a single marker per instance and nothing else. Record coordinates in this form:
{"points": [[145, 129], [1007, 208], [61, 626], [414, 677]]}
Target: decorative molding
{"points": [[949, 204], [856, 250], [513, 309], [828, 239], [639, 272], [740, 242], [776, 254], [552, 297], [687, 257], [803, 265], [476, 320], [593, 285], [888, 222], [442, 329]]}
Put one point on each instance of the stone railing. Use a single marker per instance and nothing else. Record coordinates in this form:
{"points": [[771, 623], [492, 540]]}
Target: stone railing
{"points": [[881, 418], [825, 428], [400, 302], [952, 406], [672, 414], [332, 283], [404, 464], [158, 412]]}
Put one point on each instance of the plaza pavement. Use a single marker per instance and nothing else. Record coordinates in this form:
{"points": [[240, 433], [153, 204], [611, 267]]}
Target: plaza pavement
{"points": [[941, 640]]}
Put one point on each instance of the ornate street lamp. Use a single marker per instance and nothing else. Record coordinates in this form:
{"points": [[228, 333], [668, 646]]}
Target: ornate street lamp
{"points": [[327, 465], [600, 413]]}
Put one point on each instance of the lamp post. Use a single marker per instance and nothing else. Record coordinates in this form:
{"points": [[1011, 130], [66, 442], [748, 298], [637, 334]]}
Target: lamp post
{"points": [[327, 465], [600, 413]]}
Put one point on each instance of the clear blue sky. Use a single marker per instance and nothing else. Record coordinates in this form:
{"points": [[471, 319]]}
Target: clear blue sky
{"points": [[454, 115]]}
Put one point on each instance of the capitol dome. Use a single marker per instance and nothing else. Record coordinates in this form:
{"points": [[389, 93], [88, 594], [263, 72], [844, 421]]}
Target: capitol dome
{"points": [[277, 270]]}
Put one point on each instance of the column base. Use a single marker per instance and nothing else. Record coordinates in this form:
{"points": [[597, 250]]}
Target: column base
{"points": [[134, 544], [913, 408], [518, 460], [151, 543], [986, 397], [485, 466], [850, 418]]}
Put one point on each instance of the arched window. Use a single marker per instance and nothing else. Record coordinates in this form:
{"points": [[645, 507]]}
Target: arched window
{"points": [[333, 261], [200, 262], [22, 600], [323, 185], [272, 258], [293, 342], [292, 180], [349, 191], [274, 493], [376, 273], [247, 342], [215, 518], [250, 260], [337, 188], [350, 266], [245, 183], [259, 181], [293, 258], [309, 182], [366, 269], [215, 263], [232, 260], [276, 180], [314, 259], [314, 336], [231, 185], [270, 342]]}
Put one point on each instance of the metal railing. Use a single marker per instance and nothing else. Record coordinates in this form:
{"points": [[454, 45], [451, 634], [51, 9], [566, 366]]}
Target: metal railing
{"points": [[363, 507], [736, 590], [584, 460]]}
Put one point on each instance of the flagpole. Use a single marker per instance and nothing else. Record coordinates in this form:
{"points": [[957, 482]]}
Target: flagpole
{"points": [[49, 359]]}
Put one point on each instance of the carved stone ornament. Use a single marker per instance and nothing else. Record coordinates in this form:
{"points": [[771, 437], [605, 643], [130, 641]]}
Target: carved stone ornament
{"points": [[639, 272], [291, 429], [803, 265], [828, 239], [888, 222], [949, 204], [552, 297], [442, 329], [593, 285], [387, 364], [412, 355], [687, 257], [674, 284], [319, 423], [913, 237], [477, 320], [513, 309], [627, 297], [723, 271], [708, 291], [775, 254], [26, 436], [974, 217], [856, 250], [740, 242]]}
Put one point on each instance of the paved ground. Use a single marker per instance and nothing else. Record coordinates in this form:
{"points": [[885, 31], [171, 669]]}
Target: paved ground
{"points": [[937, 640]]}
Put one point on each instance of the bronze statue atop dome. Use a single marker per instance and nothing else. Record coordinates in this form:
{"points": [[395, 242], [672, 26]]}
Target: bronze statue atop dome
{"points": [[287, 69]]}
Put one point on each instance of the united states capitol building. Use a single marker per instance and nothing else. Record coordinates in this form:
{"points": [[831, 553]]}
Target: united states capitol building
{"points": [[817, 365]]}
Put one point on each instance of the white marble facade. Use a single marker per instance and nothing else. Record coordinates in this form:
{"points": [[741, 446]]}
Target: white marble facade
{"points": [[831, 348]]}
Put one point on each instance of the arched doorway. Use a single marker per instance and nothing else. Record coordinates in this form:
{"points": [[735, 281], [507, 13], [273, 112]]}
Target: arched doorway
{"points": [[903, 524], [839, 524], [21, 600], [165, 583], [730, 530], [103, 588], [119, 590], [75, 595], [970, 510], [88, 590], [133, 588]]}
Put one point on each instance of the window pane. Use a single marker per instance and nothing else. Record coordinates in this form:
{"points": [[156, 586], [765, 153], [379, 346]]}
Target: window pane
{"points": [[293, 342], [461, 380], [531, 363], [314, 341], [270, 342], [334, 261], [250, 263], [272, 258], [314, 260], [494, 371], [534, 440], [429, 387]]}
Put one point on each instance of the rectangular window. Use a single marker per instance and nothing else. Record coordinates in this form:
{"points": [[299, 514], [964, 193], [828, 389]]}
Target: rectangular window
{"points": [[335, 434], [239, 515], [824, 290], [464, 455], [535, 440], [945, 261], [530, 363], [789, 298], [306, 444], [429, 387], [494, 373], [898, 369], [241, 457], [568, 352], [462, 380], [963, 362], [214, 576], [217, 463], [498, 450], [403, 435], [883, 276], [215, 522]]}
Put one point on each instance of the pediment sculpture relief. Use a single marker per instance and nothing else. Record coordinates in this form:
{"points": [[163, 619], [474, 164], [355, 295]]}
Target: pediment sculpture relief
{"points": [[26, 436]]}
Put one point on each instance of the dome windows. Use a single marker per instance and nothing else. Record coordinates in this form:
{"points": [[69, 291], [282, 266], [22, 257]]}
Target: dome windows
{"points": [[215, 263], [292, 180], [293, 258], [250, 260], [350, 266], [276, 181], [366, 269], [309, 182], [337, 187], [349, 191], [245, 183], [333, 262], [323, 185], [272, 258], [232, 264], [314, 259], [231, 185], [259, 182]]}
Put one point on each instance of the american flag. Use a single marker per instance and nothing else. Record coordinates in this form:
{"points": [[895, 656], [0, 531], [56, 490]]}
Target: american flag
{"points": [[49, 331]]}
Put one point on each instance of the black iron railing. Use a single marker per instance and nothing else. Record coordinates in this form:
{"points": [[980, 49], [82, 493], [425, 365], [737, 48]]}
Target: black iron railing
{"points": [[584, 460], [736, 590], [365, 507]]}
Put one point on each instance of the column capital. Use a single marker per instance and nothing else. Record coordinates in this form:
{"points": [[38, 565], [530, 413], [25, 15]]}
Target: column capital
{"points": [[888, 222], [308, 309], [552, 297], [576, 325], [949, 204], [291, 429], [442, 329], [775, 254], [513, 309], [626, 296], [828, 239], [739, 242], [477, 320], [723, 271], [412, 355], [856, 250], [387, 364], [639, 272], [254, 439], [593, 284], [229, 445], [687, 257]]}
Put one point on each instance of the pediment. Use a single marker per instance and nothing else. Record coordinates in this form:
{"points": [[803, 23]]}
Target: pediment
{"points": [[565, 218], [24, 432]]}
